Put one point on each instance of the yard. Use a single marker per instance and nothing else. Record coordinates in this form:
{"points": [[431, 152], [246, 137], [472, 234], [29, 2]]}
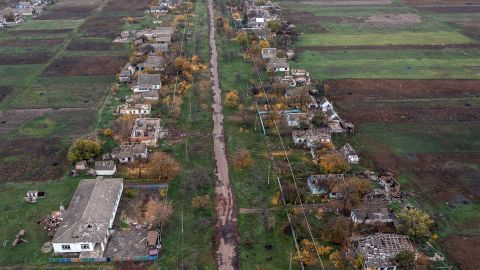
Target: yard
{"points": [[406, 74]]}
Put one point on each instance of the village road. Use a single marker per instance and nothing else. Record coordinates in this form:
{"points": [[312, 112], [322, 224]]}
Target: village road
{"points": [[226, 230]]}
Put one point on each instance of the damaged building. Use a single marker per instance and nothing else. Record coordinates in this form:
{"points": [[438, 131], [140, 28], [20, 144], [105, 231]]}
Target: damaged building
{"points": [[87, 223]]}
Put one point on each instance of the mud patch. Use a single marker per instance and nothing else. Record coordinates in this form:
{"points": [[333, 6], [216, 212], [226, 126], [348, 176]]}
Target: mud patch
{"points": [[394, 19], [414, 113], [4, 91], [70, 12], [30, 42], [38, 32], [364, 90], [83, 45], [24, 58], [464, 251], [85, 66], [32, 159], [102, 26], [450, 9]]}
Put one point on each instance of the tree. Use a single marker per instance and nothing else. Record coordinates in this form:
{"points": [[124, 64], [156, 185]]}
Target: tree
{"points": [[242, 159], [122, 127], [264, 44], [162, 166], [9, 14], [157, 212], [308, 253], [274, 25], [299, 97], [415, 223], [320, 120], [179, 21], [336, 260], [83, 149], [405, 260], [337, 230], [333, 162], [242, 38], [353, 190], [232, 99], [200, 202]]}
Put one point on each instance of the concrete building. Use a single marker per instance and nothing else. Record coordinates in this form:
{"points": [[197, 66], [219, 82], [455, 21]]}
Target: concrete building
{"points": [[146, 130], [86, 225]]}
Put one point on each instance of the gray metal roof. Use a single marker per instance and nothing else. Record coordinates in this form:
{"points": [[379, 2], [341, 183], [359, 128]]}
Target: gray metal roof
{"points": [[89, 212]]}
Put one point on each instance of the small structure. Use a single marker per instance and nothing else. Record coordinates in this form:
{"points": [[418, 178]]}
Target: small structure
{"points": [[152, 238], [278, 65], [371, 211], [327, 107], [295, 119], [105, 167], [324, 183], [143, 96], [124, 76], [268, 53], [130, 151], [88, 221], [311, 137], [154, 63], [290, 54], [392, 187], [379, 250], [350, 154], [19, 238], [263, 33], [134, 109], [33, 195], [81, 165], [146, 130], [147, 82], [159, 47]]}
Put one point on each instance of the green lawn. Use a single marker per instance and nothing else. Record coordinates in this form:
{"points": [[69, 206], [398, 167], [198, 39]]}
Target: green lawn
{"points": [[17, 214], [61, 92], [398, 64], [397, 38]]}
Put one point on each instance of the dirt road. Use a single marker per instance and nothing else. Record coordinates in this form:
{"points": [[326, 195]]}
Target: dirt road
{"points": [[226, 231]]}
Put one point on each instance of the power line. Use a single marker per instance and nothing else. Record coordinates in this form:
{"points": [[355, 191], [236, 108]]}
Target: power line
{"points": [[288, 161]]}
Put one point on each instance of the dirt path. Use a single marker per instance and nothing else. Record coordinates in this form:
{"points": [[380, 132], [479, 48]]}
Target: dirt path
{"points": [[226, 231]]}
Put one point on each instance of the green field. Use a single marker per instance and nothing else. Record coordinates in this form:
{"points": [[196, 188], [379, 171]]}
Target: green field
{"points": [[392, 64], [397, 38], [18, 214]]}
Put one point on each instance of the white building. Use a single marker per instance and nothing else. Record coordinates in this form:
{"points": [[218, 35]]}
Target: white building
{"points": [[130, 151], [135, 109], [89, 217], [147, 82], [105, 167], [311, 137]]}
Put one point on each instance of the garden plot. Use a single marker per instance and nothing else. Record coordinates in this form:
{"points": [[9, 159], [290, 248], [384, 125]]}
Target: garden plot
{"points": [[85, 66]]}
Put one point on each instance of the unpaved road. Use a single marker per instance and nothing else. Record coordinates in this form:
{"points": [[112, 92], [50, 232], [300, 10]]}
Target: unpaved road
{"points": [[226, 230]]}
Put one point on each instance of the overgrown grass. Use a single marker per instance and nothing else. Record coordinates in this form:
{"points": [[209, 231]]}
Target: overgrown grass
{"points": [[409, 64], [17, 214], [397, 38]]}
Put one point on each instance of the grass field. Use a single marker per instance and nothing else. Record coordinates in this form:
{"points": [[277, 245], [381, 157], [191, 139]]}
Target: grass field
{"points": [[398, 38], [403, 64], [18, 214]]}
